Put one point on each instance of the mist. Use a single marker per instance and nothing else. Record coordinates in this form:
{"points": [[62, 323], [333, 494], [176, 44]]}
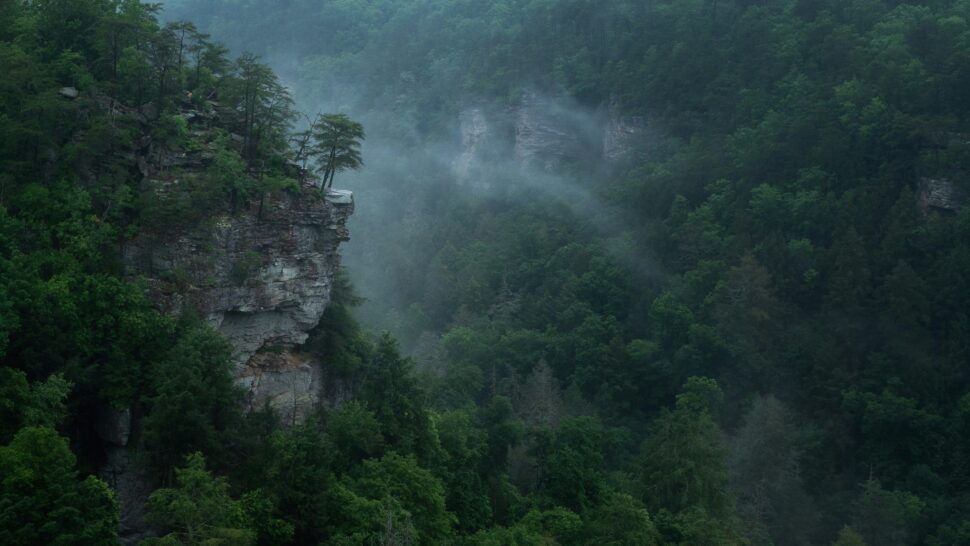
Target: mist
{"points": [[428, 150], [409, 177]]}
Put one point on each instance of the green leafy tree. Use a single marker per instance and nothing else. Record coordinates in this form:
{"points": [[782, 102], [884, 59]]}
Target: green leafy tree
{"points": [[848, 537], [162, 49], [463, 446], [227, 173], [42, 501], [209, 61], [299, 479], [620, 520], [571, 467], [390, 390], [683, 461], [336, 144], [886, 517], [128, 25], [394, 497], [355, 433], [199, 510], [765, 470], [265, 109], [197, 403], [39, 405]]}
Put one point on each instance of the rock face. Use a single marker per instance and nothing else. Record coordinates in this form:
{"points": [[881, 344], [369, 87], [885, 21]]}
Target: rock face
{"points": [[940, 195], [124, 474], [550, 132], [263, 280], [474, 130], [261, 273], [69, 93], [545, 133], [620, 136], [544, 136], [624, 134], [114, 426]]}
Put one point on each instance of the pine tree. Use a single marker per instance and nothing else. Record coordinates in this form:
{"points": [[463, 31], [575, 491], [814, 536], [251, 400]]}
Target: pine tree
{"points": [[336, 140]]}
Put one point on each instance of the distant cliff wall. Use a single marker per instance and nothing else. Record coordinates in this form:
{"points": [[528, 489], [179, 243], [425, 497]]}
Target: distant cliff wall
{"points": [[545, 133]]}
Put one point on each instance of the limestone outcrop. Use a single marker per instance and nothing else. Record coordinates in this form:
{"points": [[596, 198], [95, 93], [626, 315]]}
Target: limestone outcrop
{"points": [[940, 194], [260, 271], [474, 129], [123, 471], [261, 278], [626, 134], [544, 135]]}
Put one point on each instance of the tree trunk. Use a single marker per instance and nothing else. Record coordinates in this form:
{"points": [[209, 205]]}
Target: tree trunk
{"points": [[328, 174], [198, 71]]}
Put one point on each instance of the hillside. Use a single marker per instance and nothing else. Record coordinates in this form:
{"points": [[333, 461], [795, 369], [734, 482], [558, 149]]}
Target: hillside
{"points": [[647, 272]]}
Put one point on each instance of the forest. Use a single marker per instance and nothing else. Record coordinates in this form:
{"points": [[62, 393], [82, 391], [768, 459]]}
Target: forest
{"points": [[752, 327]]}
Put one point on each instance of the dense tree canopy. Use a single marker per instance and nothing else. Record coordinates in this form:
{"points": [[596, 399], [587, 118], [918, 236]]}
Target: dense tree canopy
{"points": [[771, 237], [751, 330]]}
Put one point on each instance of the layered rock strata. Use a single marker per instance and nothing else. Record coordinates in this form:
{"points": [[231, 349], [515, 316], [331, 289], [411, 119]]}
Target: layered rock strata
{"points": [[940, 194], [261, 278]]}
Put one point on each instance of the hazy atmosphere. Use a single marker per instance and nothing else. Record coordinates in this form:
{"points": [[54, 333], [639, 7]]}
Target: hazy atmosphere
{"points": [[485, 273]]}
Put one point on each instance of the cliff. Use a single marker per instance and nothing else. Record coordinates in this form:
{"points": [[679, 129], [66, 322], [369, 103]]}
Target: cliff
{"points": [[259, 270], [941, 195], [625, 134], [474, 130], [262, 279], [545, 133]]}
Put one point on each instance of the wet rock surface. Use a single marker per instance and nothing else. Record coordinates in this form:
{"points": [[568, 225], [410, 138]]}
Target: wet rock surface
{"points": [[545, 137], [261, 278], [260, 272], [940, 194], [621, 135], [125, 474], [474, 129]]}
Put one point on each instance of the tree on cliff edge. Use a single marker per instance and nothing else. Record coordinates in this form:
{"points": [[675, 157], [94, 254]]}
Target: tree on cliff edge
{"points": [[336, 144]]}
